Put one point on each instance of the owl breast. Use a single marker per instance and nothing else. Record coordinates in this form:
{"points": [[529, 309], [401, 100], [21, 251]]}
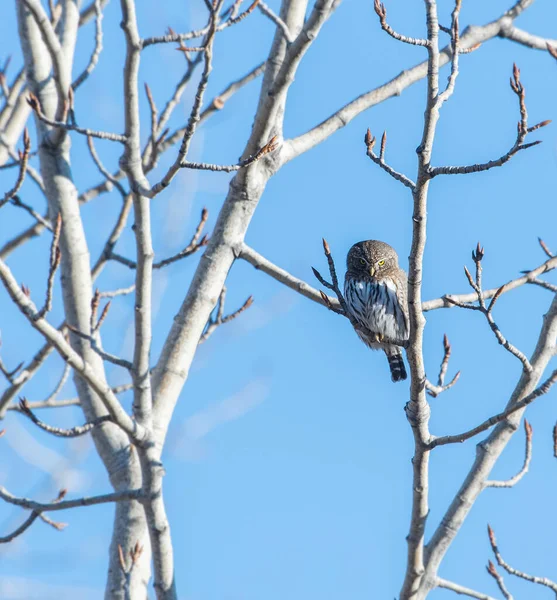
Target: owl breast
{"points": [[375, 306]]}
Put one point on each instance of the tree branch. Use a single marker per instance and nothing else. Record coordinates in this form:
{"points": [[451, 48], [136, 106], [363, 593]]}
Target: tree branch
{"points": [[460, 589], [471, 37], [502, 416], [54, 337], [519, 144], [512, 571], [77, 431], [39, 507], [435, 390], [527, 458]]}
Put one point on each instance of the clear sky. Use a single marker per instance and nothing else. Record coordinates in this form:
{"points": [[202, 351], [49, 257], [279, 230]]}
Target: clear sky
{"points": [[288, 460]]}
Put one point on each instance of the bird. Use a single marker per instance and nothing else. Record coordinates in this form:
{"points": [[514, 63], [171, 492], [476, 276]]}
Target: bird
{"points": [[376, 299]]}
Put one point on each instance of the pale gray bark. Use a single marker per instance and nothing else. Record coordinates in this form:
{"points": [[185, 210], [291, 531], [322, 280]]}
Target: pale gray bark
{"points": [[112, 444], [130, 446]]}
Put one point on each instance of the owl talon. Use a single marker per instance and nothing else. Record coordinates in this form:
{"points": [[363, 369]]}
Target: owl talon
{"points": [[379, 337]]}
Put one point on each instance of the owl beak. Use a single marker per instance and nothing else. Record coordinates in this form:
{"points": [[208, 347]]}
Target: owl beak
{"points": [[372, 271]]}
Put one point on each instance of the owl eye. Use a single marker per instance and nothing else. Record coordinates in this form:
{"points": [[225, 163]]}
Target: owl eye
{"points": [[362, 261], [381, 263]]}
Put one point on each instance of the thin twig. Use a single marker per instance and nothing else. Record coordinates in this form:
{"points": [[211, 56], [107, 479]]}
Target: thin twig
{"points": [[269, 147], [379, 160], [122, 496], [455, 49], [16, 201], [435, 390], [268, 12], [94, 59], [194, 245], [487, 311], [104, 172], [462, 437], [102, 135], [19, 530], [522, 132], [382, 14], [23, 160], [219, 319], [462, 590], [196, 108], [527, 458], [57, 431], [512, 571], [499, 580], [51, 398], [112, 358], [55, 257]]}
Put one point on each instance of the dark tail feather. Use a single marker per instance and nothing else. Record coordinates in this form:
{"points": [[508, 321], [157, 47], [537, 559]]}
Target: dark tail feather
{"points": [[396, 364]]}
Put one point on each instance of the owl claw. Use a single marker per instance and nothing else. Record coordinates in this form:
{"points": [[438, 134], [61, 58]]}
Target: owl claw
{"points": [[379, 337]]}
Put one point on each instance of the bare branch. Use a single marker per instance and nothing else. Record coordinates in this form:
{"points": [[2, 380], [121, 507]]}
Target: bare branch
{"points": [[261, 263], [194, 245], [113, 406], [57, 431], [104, 172], [519, 144], [25, 525], [268, 12], [39, 507], [94, 59], [462, 437], [379, 160], [23, 160], [55, 256], [217, 104], [470, 39], [112, 358], [54, 48], [113, 238], [382, 14], [25, 375], [460, 589], [51, 398], [435, 390], [527, 458], [196, 108], [451, 300], [119, 389], [455, 49], [545, 248], [219, 319], [118, 292], [488, 311], [34, 103], [512, 571], [499, 580], [269, 147], [16, 201]]}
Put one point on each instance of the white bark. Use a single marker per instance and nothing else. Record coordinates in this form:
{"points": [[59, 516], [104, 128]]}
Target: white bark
{"points": [[136, 465]]}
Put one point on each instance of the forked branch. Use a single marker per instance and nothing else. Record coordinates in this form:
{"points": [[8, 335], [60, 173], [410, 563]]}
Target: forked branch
{"points": [[522, 131], [512, 571]]}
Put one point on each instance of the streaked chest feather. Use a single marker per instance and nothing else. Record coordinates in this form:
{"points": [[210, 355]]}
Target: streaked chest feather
{"points": [[375, 305]]}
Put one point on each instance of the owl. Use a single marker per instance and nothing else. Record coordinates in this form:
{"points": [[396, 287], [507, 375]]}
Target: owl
{"points": [[375, 294]]}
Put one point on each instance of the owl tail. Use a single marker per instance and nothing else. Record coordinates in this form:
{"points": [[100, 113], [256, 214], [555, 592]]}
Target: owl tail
{"points": [[396, 364]]}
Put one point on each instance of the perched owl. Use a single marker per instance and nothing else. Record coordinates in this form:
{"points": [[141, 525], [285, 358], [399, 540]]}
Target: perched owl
{"points": [[375, 294]]}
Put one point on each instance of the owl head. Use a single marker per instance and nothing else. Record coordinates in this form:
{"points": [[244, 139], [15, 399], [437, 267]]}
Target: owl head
{"points": [[371, 259]]}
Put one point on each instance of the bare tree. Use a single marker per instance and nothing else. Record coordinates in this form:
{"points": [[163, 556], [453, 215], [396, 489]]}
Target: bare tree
{"points": [[130, 445]]}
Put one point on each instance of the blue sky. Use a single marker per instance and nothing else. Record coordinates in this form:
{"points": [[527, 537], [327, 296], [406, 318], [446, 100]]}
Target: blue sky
{"points": [[288, 460]]}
